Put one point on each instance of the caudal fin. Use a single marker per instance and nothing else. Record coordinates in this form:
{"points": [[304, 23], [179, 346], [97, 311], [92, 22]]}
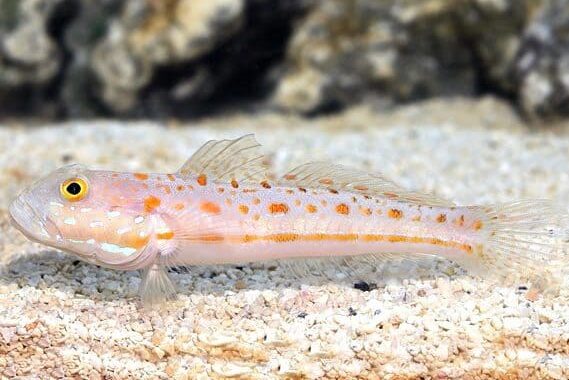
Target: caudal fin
{"points": [[525, 241]]}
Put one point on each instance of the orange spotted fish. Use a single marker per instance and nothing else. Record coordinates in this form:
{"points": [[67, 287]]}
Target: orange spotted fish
{"points": [[222, 207]]}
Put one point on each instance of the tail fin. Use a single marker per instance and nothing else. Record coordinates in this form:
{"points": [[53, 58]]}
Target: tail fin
{"points": [[526, 240]]}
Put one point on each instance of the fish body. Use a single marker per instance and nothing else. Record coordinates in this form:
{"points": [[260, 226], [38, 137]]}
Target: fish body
{"points": [[250, 222], [222, 207]]}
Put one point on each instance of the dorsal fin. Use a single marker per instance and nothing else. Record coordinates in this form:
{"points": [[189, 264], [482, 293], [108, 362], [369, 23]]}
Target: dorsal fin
{"points": [[225, 160], [338, 177]]}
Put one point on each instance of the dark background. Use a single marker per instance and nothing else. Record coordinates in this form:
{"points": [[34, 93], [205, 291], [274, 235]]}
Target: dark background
{"points": [[62, 59]]}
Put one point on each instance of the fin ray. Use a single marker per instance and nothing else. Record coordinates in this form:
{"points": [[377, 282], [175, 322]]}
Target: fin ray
{"points": [[225, 160], [526, 242], [156, 286], [339, 177], [372, 267]]}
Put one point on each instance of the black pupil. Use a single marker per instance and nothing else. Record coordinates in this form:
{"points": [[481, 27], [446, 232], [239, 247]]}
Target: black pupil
{"points": [[73, 188]]}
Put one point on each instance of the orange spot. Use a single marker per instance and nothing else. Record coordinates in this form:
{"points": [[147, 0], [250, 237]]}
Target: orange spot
{"points": [[180, 188], [395, 214], [459, 221], [477, 225], [171, 177], [256, 217], [134, 240], [441, 218], [243, 209], [256, 201], [151, 203], [234, 184], [326, 181], [165, 235], [210, 207], [311, 208], [361, 188], [165, 188], [278, 208], [228, 202], [141, 176], [202, 180], [290, 177], [297, 202], [365, 211], [265, 184], [343, 209], [179, 206]]}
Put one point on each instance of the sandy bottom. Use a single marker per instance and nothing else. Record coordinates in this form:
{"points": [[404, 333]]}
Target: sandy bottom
{"points": [[61, 317]]}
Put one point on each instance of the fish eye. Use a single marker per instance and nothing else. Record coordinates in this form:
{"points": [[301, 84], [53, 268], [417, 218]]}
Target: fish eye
{"points": [[74, 189]]}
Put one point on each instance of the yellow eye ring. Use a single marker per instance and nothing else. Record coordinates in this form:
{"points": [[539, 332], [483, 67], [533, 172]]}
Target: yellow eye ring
{"points": [[74, 189]]}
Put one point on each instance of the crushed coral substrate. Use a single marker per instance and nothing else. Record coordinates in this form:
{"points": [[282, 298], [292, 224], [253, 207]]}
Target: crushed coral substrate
{"points": [[61, 317]]}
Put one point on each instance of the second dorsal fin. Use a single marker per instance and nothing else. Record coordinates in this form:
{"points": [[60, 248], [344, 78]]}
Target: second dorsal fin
{"points": [[225, 160], [338, 177]]}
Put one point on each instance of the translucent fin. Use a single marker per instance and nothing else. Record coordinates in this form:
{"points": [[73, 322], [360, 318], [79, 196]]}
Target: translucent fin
{"points": [[375, 267], [156, 287], [190, 225], [229, 159], [526, 241], [338, 177]]}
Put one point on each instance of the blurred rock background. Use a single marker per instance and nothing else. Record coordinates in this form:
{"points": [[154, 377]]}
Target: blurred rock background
{"points": [[184, 58]]}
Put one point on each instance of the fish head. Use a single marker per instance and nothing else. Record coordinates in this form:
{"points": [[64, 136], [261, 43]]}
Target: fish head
{"points": [[86, 212]]}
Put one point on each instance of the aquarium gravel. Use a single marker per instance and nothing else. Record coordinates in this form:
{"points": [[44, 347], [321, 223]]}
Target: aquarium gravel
{"points": [[60, 317]]}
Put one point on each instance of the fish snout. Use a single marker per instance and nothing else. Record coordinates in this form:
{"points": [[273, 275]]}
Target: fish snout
{"points": [[32, 222]]}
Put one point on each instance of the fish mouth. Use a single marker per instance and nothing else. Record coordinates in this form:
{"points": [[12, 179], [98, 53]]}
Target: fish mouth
{"points": [[32, 224]]}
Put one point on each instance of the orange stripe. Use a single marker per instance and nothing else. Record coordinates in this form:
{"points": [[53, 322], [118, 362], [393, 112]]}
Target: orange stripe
{"points": [[165, 235], [292, 237]]}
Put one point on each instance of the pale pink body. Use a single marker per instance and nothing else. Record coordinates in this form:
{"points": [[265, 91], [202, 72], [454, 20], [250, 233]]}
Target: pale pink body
{"points": [[317, 223], [191, 220]]}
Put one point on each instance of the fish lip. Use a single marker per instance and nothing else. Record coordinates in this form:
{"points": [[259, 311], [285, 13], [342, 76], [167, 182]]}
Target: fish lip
{"points": [[20, 206], [23, 230]]}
